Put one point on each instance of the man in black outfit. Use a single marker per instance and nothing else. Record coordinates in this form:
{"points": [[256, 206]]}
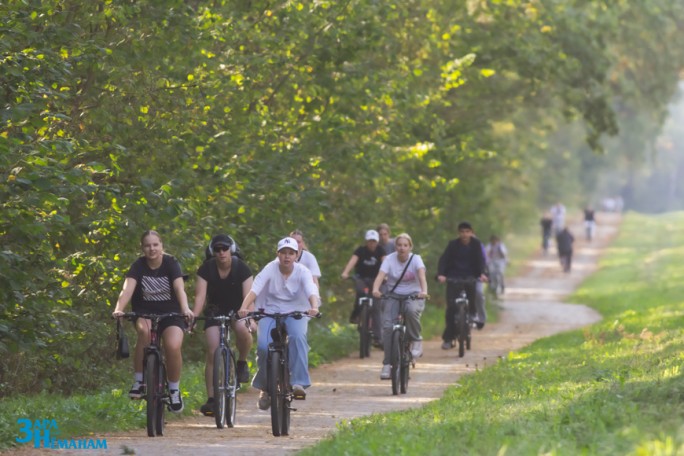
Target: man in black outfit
{"points": [[463, 258]]}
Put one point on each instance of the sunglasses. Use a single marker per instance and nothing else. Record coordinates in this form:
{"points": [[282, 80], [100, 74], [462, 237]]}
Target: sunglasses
{"points": [[221, 248]]}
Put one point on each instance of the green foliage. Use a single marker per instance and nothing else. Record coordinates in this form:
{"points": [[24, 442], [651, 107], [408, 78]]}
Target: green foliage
{"points": [[195, 117], [615, 387]]}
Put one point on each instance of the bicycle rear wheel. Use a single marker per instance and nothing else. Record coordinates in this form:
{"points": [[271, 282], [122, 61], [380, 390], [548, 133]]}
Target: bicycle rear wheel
{"points": [[405, 366], [277, 391], [152, 392], [364, 332], [462, 326], [395, 360], [220, 377]]}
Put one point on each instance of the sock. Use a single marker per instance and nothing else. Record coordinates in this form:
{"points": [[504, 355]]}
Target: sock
{"points": [[174, 385], [138, 377]]}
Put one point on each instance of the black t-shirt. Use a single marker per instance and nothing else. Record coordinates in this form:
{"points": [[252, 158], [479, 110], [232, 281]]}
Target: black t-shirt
{"points": [[224, 295], [369, 262], [154, 289]]}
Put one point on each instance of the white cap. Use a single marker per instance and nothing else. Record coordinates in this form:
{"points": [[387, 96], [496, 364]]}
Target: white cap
{"points": [[288, 243], [372, 235]]}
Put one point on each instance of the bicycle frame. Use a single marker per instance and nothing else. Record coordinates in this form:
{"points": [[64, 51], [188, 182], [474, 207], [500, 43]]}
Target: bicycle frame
{"points": [[225, 381], [154, 374], [278, 370], [400, 349], [462, 318]]}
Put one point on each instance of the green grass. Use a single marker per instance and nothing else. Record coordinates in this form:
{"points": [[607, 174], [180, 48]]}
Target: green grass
{"points": [[613, 388]]}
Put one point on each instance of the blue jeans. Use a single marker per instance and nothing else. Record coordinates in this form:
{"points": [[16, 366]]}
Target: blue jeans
{"points": [[298, 352]]}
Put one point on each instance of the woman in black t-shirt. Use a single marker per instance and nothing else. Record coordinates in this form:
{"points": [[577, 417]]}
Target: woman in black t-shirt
{"points": [[154, 284], [222, 283]]}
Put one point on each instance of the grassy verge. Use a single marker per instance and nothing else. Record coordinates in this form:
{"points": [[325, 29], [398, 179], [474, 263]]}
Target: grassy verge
{"points": [[614, 388]]}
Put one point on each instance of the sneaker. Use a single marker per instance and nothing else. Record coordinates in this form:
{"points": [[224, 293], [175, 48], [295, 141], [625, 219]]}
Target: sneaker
{"points": [[385, 372], [298, 391], [264, 401], [242, 372], [417, 349], [176, 405], [208, 408], [447, 345], [137, 390]]}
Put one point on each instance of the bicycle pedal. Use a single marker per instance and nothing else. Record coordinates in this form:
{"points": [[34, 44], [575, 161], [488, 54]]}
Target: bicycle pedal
{"points": [[299, 397]]}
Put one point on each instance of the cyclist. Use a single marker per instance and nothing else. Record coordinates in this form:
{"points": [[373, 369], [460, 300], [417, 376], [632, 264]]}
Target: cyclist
{"points": [[305, 257], [222, 282], [366, 261], [386, 242], [154, 284], [497, 257], [405, 274], [285, 286], [462, 259]]}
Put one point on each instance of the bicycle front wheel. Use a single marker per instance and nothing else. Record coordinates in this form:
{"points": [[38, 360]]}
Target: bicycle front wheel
{"points": [[220, 377], [364, 332], [395, 360], [152, 392], [405, 366], [231, 390], [277, 391], [462, 325]]}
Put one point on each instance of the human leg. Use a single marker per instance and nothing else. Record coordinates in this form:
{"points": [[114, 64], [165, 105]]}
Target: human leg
{"points": [[263, 339], [298, 351], [390, 311]]}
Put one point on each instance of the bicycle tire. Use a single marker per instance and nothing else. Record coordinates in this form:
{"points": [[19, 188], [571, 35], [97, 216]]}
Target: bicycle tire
{"points": [[151, 392], [462, 325], [395, 360], [405, 367], [287, 396], [219, 381], [161, 405], [231, 391], [277, 392], [364, 332]]}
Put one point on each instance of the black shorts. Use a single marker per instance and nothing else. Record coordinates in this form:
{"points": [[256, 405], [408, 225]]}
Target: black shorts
{"points": [[166, 322]]}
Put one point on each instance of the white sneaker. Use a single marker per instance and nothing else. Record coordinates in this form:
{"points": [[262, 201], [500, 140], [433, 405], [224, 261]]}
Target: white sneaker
{"points": [[417, 349], [385, 372]]}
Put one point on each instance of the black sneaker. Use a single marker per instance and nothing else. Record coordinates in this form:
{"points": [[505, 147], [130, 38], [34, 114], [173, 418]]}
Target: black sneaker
{"points": [[242, 372], [137, 391], [176, 404], [207, 409]]}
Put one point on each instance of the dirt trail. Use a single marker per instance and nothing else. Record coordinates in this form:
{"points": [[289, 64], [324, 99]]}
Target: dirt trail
{"points": [[349, 388]]}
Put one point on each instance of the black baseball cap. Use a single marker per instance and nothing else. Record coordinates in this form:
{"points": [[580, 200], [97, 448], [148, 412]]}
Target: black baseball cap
{"points": [[221, 239]]}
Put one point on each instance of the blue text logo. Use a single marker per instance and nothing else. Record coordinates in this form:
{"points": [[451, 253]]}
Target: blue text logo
{"points": [[44, 433]]}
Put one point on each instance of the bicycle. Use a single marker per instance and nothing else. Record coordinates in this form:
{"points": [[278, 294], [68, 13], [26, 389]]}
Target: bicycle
{"points": [[401, 358], [496, 278], [225, 380], [462, 317], [365, 328], [278, 370], [155, 384]]}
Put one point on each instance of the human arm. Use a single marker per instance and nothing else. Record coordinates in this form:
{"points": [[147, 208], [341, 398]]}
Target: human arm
{"points": [[200, 295], [423, 283], [125, 296], [179, 290], [378, 283], [247, 304], [350, 265]]}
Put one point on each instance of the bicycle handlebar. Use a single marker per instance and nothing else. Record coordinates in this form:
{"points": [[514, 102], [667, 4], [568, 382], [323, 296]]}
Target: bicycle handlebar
{"points": [[296, 314], [149, 316]]}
